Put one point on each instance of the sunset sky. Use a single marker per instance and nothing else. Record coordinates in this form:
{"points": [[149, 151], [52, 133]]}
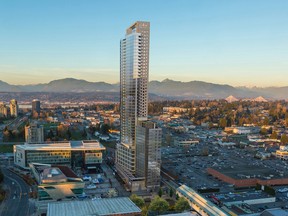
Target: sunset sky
{"points": [[239, 43]]}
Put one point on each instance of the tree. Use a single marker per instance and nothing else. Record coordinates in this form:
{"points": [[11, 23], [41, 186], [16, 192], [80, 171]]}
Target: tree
{"points": [[69, 134], [62, 131], [1, 176], [84, 134], [177, 196], [284, 139], [158, 205], [263, 131], [223, 123], [160, 192], [274, 135], [137, 200], [112, 193], [182, 205], [105, 129], [171, 192]]}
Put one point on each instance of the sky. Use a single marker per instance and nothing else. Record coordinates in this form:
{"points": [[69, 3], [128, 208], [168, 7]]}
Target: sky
{"points": [[241, 42]]}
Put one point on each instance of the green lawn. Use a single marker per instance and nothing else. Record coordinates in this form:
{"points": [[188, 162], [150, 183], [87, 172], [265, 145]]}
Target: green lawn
{"points": [[6, 148]]}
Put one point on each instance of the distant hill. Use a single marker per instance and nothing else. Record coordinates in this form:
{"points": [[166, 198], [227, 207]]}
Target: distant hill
{"points": [[167, 88], [62, 85], [196, 89]]}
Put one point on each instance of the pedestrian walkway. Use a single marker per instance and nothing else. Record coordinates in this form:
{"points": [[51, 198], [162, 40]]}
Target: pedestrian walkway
{"points": [[115, 183]]}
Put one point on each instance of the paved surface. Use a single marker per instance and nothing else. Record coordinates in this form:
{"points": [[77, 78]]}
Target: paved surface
{"points": [[16, 202], [103, 188]]}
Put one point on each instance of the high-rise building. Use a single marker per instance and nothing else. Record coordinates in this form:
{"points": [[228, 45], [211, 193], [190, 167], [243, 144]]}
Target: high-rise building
{"points": [[34, 133], [35, 106], [13, 108], [3, 110], [148, 153], [134, 76]]}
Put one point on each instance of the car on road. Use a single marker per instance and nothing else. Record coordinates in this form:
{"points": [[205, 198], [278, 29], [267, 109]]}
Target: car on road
{"points": [[87, 178], [91, 186], [283, 190]]}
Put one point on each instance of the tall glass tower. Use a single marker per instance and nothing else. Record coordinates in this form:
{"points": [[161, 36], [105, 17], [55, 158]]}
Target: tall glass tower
{"points": [[134, 71]]}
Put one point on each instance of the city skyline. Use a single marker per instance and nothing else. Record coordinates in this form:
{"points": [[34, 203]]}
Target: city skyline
{"points": [[219, 42]]}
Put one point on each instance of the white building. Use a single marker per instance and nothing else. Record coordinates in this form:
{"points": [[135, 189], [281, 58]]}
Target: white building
{"points": [[86, 154]]}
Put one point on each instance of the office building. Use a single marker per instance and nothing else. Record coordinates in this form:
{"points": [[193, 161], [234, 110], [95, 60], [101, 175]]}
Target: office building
{"points": [[56, 182], [34, 133], [3, 110], [36, 106], [13, 108], [148, 153], [83, 154]]}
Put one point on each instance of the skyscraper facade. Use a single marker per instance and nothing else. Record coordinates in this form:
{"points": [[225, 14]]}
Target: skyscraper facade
{"points": [[3, 110], [134, 76], [13, 108], [35, 106]]}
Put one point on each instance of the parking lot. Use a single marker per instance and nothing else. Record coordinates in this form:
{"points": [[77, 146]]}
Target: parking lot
{"points": [[103, 184]]}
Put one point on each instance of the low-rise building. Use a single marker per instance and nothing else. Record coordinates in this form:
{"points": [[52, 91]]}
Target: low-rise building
{"points": [[56, 182], [282, 153], [83, 154], [108, 206], [185, 143]]}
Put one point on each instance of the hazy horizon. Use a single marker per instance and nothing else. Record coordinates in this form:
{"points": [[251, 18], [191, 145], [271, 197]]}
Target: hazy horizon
{"points": [[113, 83], [239, 43]]}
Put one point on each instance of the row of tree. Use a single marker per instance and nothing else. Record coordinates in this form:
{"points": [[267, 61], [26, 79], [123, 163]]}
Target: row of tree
{"points": [[159, 205], [226, 114]]}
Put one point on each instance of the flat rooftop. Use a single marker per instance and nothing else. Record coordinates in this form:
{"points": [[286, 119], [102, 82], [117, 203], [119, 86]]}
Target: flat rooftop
{"points": [[250, 171], [69, 145], [107, 206], [53, 173], [241, 196]]}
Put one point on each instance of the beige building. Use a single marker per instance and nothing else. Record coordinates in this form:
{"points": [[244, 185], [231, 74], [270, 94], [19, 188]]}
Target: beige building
{"points": [[13, 108], [3, 110], [282, 153], [175, 110]]}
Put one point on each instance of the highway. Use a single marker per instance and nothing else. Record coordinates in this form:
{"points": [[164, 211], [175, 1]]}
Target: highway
{"points": [[16, 202]]}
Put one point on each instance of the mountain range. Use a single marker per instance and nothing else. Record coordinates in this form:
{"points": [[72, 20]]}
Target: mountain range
{"points": [[166, 88]]}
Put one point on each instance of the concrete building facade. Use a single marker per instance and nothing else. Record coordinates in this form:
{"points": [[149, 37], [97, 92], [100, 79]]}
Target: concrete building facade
{"points": [[34, 134], [148, 153], [13, 108]]}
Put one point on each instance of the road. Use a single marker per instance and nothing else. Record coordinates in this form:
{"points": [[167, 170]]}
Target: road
{"points": [[16, 202]]}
